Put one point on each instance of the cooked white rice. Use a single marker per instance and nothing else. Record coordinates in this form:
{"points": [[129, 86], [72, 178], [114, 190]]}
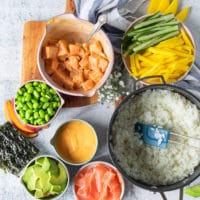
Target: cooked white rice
{"points": [[153, 165]]}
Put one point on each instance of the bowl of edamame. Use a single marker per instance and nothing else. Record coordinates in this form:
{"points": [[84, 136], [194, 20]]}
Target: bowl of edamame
{"points": [[37, 104]]}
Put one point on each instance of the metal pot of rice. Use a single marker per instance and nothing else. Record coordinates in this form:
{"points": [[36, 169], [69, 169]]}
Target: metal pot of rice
{"points": [[151, 167]]}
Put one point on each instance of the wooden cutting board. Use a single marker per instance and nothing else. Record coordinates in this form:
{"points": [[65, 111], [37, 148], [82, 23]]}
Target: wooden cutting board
{"points": [[33, 32]]}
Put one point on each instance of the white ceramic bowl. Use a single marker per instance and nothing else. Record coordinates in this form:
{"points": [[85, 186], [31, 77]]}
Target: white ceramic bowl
{"points": [[38, 127], [47, 198], [52, 142], [106, 164], [73, 29], [126, 60]]}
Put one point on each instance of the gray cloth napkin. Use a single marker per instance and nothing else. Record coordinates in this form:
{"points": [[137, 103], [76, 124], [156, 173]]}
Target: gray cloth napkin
{"points": [[117, 22]]}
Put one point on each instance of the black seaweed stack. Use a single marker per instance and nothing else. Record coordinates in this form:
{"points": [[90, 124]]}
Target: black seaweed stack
{"points": [[15, 150]]}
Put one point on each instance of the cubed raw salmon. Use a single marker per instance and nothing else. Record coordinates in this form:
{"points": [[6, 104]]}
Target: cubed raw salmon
{"points": [[74, 62], [93, 61], [76, 50], [68, 84], [77, 76], [95, 75], [51, 66], [49, 52], [57, 80], [84, 63], [68, 65], [86, 74], [87, 85], [86, 49], [63, 51], [102, 64], [61, 74], [95, 47]]}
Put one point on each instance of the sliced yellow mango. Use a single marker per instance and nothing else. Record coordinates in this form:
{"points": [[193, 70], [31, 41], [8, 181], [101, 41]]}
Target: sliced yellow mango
{"points": [[157, 58], [133, 65], [144, 59], [153, 4], [173, 42], [170, 59], [146, 53], [149, 71], [185, 61], [179, 53], [160, 52], [186, 38], [181, 49], [163, 5], [182, 15], [135, 69], [172, 8], [188, 48]]}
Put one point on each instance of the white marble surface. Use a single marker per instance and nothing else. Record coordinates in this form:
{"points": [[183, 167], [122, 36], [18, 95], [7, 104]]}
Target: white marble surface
{"points": [[13, 14]]}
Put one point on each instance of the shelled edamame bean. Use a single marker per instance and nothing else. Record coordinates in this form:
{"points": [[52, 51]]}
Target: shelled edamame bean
{"points": [[36, 103]]}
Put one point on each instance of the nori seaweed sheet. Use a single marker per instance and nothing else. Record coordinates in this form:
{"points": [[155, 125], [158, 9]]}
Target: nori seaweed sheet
{"points": [[15, 150]]}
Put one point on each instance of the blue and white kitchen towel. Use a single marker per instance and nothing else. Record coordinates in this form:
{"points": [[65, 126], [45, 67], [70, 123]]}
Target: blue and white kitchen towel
{"points": [[119, 19]]}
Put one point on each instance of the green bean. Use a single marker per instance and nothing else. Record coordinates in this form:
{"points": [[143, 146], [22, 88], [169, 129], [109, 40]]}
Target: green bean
{"points": [[48, 96], [30, 90], [35, 83], [42, 113], [19, 98], [38, 89], [41, 122], [50, 111], [25, 107], [23, 99], [22, 113], [47, 118], [19, 104], [27, 97], [56, 98], [36, 105], [43, 86], [36, 94], [52, 91], [25, 121], [27, 114], [55, 105], [20, 91], [44, 99], [36, 115], [30, 105], [28, 85], [45, 105], [34, 101]]}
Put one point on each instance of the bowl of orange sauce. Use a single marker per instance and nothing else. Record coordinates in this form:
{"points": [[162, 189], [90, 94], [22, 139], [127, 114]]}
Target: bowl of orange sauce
{"points": [[75, 142]]}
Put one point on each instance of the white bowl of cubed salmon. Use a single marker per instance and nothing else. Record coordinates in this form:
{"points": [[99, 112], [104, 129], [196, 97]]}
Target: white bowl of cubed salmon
{"points": [[70, 65]]}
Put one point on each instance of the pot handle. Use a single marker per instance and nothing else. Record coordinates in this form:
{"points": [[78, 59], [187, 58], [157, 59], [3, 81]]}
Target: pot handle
{"points": [[180, 194], [163, 195], [148, 77]]}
